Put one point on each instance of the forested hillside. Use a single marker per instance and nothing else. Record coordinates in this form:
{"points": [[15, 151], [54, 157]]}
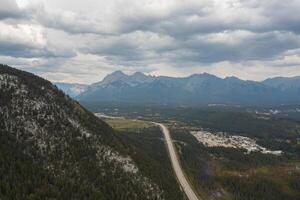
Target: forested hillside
{"points": [[52, 148]]}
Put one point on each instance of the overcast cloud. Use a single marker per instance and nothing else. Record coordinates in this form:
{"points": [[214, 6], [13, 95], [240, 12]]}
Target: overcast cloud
{"points": [[82, 41]]}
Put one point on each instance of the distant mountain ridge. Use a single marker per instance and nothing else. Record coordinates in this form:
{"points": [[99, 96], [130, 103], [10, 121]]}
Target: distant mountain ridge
{"points": [[72, 89], [283, 83], [192, 90], [117, 76]]}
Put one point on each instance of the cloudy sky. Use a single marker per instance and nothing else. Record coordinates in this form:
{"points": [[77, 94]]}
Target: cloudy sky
{"points": [[83, 40]]}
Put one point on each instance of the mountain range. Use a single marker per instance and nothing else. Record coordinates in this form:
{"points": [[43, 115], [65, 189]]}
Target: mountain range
{"points": [[197, 89]]}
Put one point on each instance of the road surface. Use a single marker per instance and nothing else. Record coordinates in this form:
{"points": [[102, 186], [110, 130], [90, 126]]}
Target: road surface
{"points": [[176, 165]]}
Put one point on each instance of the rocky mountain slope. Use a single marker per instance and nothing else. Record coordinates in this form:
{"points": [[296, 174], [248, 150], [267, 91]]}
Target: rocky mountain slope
{"points": [[52, 148], [193, 90]]}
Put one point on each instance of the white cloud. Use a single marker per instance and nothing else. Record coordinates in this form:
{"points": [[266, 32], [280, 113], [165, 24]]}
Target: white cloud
{"points": [[22, 3], [83, 40], [22, 34]]}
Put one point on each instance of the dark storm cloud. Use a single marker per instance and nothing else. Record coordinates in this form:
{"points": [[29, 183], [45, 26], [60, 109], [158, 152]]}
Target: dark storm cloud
{"points": [[28, 52], [204, 48], [239, 46], [9, 9], [272, 28], [281, 15]]}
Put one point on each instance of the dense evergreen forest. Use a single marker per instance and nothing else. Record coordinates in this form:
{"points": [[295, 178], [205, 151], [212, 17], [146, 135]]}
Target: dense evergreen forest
{"points": [[148, 150], [225, 173], [234, 120], [53, 148]]}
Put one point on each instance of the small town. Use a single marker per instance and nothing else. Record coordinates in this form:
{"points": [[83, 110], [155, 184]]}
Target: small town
{"points": [[231, 141]]}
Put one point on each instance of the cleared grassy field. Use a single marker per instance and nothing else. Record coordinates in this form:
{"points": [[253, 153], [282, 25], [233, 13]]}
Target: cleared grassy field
{"points": [[128, 124]]}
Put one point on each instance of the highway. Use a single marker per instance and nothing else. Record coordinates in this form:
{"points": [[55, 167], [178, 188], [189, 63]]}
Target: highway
{"points": [[176, 164]]}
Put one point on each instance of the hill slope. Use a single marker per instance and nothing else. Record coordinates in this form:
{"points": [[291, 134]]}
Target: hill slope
{"points": [[51, 147]]}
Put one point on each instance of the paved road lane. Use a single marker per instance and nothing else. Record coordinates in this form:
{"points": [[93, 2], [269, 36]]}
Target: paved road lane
{"points": [[176, 165]]}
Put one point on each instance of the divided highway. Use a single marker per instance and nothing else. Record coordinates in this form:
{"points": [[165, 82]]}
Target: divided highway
{"points": [[176, 165]]}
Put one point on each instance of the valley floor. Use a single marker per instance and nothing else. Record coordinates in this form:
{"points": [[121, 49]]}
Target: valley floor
{"points": [[221, 165]]}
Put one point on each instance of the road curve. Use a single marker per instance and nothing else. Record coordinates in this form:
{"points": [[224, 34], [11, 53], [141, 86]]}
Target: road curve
{"points": [[176, 165]]}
